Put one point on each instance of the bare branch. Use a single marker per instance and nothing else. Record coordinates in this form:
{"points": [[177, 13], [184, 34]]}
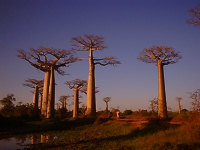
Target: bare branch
{"points": [[84, 89], [107, 99], [76, 84], [43, 58], [167, 55], [33, 82], [106, 61], [195, 14], [87, 42]]}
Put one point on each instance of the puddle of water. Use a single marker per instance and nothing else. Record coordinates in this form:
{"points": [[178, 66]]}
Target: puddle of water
{"points": [[13, 143], [22, 142]]}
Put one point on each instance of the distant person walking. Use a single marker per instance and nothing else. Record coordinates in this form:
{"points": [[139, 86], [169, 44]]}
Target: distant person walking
{"points": [[118, 115]]}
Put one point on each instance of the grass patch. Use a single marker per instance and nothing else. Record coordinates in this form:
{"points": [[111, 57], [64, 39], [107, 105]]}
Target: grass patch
{"points": [[119, 135]]}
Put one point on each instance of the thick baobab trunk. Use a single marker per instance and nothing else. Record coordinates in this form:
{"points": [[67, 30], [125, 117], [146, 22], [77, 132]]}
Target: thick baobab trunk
{"points": [[162, 106], [64, 104], [106, 106], [91, 99], [45, 94], [51, 98], [76, 103], [36, 96]]}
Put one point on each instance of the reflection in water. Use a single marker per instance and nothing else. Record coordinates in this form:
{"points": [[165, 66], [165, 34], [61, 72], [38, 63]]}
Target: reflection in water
{"points": [[21, 142], [13, 143]]}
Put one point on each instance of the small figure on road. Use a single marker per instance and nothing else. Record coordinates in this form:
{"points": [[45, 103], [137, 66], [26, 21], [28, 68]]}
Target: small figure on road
{"points": [[118, 115]]}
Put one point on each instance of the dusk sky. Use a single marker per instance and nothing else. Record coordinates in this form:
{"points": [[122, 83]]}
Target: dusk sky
{"points": [[128, 27]]}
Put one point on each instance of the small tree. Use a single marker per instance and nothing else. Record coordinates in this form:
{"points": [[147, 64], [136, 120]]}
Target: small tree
{"points": [[179, 104], [154, 105], [92, 43], [195, 14], [37, 85], [76, 84], [195, 96], [8, 105], [107, 100], [161, 55]]}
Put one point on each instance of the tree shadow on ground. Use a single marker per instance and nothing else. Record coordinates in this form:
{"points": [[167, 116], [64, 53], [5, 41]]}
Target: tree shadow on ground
{"points": [[153, 126], [44, 126]]}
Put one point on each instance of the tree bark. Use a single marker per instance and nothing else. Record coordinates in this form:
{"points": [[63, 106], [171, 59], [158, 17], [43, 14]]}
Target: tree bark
{"points": [[162, 106], [106, 106], [51, 98], [91, 99], [179, 106], [36, 96], [76, 103], [45, 94], [64, 104], [40, 101]]}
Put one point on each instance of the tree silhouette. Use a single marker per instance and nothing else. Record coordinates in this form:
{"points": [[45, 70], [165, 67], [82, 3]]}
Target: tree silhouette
{"points": [[179, 104], [7, 102], [161, 55], [76, 84], [63, 99], [48, 60], [37, 85], [106, 100], [195, 14], [154, 105], [92, 43], [196, 100]]}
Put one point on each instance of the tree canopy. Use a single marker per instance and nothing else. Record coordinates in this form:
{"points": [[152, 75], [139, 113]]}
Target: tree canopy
{"points": [[195, 14], [7, 102], [166, 55], [91, 42], [77, 83], [43, 58]]}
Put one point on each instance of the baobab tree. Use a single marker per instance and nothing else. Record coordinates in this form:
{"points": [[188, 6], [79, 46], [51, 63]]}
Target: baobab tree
{"points": [[37, 85], [161, 55], [107, 100], [92, 43], [76, 84], [195, 14], [179, 104], [63, 99], [48, 60]]}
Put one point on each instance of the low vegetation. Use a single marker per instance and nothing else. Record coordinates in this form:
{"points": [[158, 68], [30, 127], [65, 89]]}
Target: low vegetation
{"points": [[182, 131]]}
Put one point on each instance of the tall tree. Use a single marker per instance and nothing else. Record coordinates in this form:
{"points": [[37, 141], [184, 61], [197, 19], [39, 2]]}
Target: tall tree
{"points": [[48, 60], [179, 104], [161, 55], [92, 43], [76, 84], [37, 85], [107, 100], [195, 14]]}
